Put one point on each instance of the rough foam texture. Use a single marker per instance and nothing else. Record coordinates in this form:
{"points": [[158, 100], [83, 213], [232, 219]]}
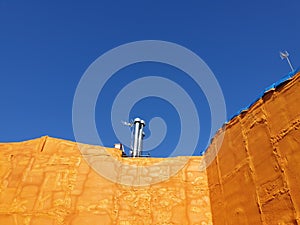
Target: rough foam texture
{"points": [[253, 180], [46, 181], [255, 177]]}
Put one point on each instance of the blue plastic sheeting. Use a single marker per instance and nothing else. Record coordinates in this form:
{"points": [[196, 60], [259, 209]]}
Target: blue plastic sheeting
{"points": [[270, 88]]}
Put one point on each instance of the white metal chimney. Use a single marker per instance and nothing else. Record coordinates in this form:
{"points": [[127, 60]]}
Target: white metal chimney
{"points": [[141, 136], [138, 135]]}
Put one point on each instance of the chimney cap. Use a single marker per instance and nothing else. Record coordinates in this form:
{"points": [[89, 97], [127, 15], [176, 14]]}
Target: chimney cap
{"points": [[137, 120]]}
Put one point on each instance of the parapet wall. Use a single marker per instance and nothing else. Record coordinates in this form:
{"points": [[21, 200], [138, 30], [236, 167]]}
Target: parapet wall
{"points": [[46, 181], [255, 177], [253, 180]]}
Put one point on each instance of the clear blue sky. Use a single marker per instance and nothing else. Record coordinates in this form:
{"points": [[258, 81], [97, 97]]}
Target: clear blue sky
{"points": [[45, 48]]}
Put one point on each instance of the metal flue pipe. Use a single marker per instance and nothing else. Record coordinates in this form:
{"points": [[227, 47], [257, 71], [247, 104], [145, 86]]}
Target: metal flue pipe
{"points": [[138, 136], [136, 123], [141, 136]]}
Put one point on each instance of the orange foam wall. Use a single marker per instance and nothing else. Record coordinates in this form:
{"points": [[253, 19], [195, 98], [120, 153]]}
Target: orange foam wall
{"points": [[255, 177], [46, 181], [253, 180]]}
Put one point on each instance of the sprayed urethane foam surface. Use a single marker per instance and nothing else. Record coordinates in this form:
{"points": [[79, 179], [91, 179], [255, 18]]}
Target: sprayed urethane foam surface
{"points": [[253, 180], [47, 181], [255, 177]]}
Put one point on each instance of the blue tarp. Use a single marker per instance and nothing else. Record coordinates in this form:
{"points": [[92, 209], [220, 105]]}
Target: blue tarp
{"points": [[270, 88]]}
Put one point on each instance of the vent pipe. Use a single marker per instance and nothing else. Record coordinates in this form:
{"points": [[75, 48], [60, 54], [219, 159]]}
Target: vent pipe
{"points": [[138, 137], [141, 136]]}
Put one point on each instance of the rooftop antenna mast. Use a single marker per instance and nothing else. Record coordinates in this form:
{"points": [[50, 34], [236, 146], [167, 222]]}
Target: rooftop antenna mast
{"points": [[285, 55], [130, 125]]}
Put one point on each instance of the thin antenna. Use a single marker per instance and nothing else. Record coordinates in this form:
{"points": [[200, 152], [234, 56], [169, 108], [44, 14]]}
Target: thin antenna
{"points": [[130, 125], [125, 123], [285, 55]]}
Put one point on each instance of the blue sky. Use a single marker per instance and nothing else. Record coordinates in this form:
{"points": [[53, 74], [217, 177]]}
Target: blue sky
{"points": [[45, 48]]}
